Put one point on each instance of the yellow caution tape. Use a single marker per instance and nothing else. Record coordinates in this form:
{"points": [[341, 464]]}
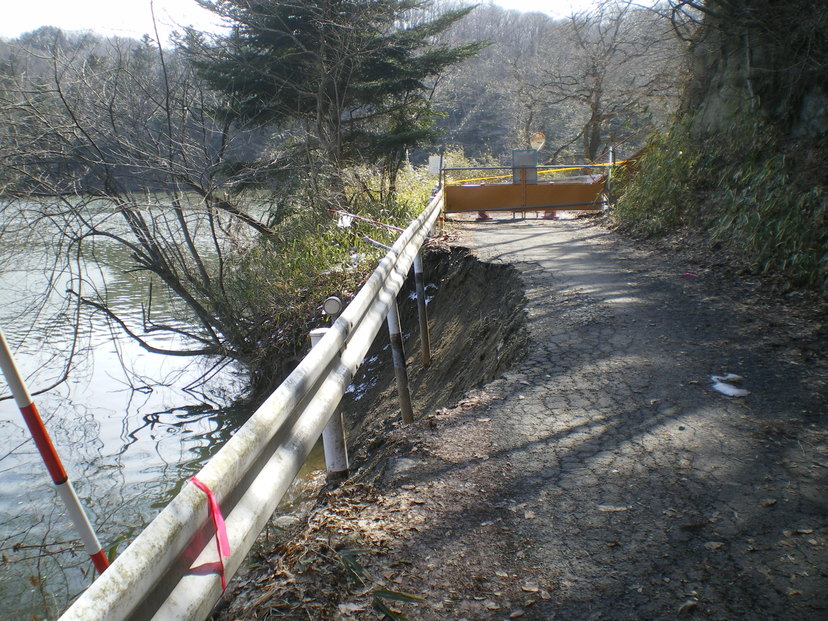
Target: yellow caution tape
{"points": [[481, 179], [540, 172]]}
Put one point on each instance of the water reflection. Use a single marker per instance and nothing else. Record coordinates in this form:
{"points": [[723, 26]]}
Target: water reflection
{"points": [[130, 425]]}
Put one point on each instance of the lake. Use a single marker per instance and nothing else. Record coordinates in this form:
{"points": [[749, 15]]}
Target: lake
{"points": [[130, 425]]}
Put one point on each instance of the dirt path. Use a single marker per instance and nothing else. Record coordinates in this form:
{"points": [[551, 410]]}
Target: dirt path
{"points": [[604, 478]]}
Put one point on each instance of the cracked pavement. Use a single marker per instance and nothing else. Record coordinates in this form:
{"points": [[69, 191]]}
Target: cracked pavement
{"points": [[604, 478]]}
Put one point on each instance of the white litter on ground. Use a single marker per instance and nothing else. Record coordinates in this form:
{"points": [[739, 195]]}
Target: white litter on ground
{"points": [[721, 383], [727, 377]]}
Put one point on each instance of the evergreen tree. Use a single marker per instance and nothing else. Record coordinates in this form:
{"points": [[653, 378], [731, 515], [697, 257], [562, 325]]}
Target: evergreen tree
{"points": [[351, 79]]}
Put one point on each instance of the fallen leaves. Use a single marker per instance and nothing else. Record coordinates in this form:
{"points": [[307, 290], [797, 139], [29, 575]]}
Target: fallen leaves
{"points": [[321, 570], [350, 608], [798, 531]]}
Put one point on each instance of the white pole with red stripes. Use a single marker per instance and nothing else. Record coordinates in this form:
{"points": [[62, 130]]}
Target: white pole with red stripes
{"points": [[50, 457]]}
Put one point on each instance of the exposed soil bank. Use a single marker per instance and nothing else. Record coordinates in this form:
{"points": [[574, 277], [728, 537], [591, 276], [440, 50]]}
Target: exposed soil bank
{"points": [[477, 325]]}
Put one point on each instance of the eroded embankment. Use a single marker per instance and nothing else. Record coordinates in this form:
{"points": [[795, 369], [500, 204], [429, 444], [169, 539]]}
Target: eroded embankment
{"points": [[477, 330]]}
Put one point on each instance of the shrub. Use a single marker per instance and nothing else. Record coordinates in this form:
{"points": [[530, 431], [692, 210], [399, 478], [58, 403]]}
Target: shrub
{"points": [[760, 196]]}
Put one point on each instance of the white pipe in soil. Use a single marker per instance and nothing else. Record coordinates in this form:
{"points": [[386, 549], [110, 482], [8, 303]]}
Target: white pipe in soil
{"points": [[155, 576], [334, 443]]}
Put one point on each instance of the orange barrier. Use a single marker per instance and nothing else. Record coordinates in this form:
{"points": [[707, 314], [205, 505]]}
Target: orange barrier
{"points": [[559, 196]]}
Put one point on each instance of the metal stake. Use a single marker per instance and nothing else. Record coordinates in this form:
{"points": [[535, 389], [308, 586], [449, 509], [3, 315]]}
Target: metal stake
{"points": [[422, 313], [333, 435], [50, 457], [397, 351], [610, 168], [398, 356]]}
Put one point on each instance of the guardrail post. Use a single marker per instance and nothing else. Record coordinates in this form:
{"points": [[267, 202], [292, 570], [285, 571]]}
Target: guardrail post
{"points": [[398, 356], [395, 333], [422, 312], [333, 435]]}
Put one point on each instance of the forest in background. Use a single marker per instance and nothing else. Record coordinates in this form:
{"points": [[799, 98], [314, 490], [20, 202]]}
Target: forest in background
{"points": [[214, 161], [609, 76]]}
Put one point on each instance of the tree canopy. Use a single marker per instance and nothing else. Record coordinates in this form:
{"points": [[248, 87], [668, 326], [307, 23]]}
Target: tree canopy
{"points": [[352, 79]]}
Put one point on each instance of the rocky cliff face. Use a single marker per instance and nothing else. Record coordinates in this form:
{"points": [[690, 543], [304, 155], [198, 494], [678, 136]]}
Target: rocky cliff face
{"points": [[763, 58]]}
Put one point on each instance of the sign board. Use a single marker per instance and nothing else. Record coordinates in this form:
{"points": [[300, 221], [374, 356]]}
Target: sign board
{"points": [[434, 164], [525, 166], [530, 197]]}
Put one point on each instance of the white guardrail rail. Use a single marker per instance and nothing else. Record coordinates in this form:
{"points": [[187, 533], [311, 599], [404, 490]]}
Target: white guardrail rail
{"points": [[169, 571]]}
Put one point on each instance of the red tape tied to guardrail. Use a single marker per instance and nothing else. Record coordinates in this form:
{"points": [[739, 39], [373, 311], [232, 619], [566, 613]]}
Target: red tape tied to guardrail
{"points": [[222, 542]]}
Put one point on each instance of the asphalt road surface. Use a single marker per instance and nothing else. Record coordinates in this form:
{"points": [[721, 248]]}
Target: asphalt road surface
{"points": [[605, 477]]}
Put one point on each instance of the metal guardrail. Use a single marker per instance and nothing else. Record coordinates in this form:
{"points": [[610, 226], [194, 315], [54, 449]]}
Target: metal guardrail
{"points": [[170, 570]]}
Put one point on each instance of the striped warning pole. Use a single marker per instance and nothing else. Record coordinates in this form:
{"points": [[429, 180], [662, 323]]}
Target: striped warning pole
{"points": [[50, 457]]}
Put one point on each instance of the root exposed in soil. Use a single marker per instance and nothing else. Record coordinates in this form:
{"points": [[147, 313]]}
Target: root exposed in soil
{"points": [[314, 567]]}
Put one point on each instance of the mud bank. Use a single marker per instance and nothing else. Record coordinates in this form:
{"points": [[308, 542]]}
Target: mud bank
{"points": [[477, 326]]}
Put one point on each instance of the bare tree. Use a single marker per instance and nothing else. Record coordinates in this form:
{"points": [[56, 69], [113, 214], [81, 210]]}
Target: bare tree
{"points": [[607, 75], [619, 62], [119, 143]]}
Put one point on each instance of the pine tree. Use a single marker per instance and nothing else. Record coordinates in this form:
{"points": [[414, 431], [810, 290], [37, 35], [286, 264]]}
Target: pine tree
{"points": [[351, 79]]}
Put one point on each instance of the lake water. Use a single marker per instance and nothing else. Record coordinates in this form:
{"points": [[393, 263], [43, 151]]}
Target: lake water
{"points": [[127, 427]]}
